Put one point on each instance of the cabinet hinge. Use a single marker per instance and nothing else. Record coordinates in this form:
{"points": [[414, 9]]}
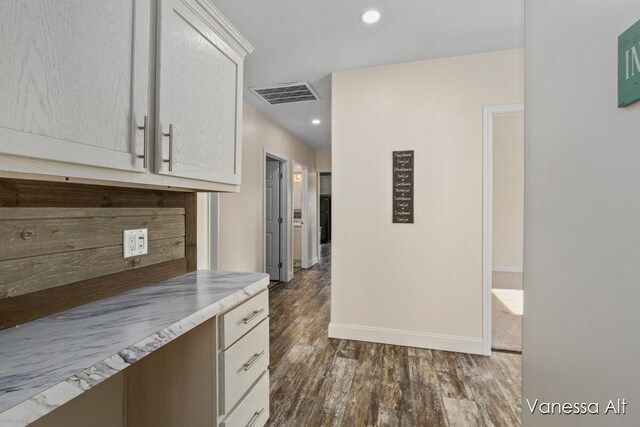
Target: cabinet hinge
{"points": [[281, 176], [279, 220], [279, 265]]}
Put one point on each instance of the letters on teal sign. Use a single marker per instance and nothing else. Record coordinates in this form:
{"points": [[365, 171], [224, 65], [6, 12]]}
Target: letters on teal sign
{"points": [[629, 66], [632, 62]]}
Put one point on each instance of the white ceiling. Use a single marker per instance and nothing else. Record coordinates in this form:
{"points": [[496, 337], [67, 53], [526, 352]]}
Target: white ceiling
{"points": [[298, 40]]}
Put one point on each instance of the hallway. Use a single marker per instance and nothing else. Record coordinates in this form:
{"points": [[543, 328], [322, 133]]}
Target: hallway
{"points": [[317, 381]]}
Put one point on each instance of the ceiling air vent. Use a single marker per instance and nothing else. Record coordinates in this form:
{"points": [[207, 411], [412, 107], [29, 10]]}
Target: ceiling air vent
{"points": [[286, 93]]}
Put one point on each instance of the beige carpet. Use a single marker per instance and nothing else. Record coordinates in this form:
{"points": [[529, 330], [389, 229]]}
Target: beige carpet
{"points": [[506, 323]]}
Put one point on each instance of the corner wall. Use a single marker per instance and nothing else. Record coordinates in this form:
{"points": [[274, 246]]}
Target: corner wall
{"points": [[241, 244], [582, 214], [420, 284]]}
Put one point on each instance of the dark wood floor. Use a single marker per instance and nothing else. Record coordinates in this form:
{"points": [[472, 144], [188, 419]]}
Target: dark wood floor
{"points": [[317, 381]]}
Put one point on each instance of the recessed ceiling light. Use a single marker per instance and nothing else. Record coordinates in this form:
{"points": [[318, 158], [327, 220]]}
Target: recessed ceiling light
{"points": [[370, 17], [315, 121]]}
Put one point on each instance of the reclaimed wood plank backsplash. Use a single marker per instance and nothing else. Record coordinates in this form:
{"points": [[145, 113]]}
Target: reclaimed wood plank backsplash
{"points": [[61, 243]]}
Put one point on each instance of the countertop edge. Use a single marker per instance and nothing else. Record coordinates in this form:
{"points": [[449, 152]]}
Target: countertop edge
{"points": [[41, 404]]}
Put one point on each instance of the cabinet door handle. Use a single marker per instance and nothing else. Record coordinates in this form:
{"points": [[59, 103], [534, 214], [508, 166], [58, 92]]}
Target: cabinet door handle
{"points": [[170, 160], [253, 360], [145, 153], [255, 418], [253, 316]]}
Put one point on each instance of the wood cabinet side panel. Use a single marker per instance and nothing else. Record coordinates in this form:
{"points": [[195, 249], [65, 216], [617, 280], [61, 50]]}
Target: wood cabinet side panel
{"points": [[102, 405], [175, 386]]}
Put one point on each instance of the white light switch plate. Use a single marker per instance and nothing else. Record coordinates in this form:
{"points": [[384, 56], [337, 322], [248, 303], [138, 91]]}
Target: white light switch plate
{"points": [[135, 242]]}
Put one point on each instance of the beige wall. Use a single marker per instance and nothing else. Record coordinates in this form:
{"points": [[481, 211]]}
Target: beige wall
{"points": [[323, 160], [508, 191], [241, 245], [417, 284], [581, 337]]}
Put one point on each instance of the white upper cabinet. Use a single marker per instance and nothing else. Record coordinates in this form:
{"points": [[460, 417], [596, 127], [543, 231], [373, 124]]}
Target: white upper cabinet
{"points": [[74, 80], [199, 98], [137, 92]]}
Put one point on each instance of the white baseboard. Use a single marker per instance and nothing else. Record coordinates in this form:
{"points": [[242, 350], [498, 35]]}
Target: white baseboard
{"points": [[507, 269], [407, 338], [313, 262]]}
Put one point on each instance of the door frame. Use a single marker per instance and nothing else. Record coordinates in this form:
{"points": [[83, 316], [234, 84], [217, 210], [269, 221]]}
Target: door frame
{"points": [[286, 237], [306, 237], [490, 111]]}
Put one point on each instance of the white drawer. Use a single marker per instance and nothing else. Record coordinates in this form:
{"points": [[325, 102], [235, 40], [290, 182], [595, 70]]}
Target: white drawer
{"points": [[240, 320], [243, 363], [253, 411]]}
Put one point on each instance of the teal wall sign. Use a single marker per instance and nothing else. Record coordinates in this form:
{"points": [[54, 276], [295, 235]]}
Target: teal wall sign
{"points": [[629, 66]]}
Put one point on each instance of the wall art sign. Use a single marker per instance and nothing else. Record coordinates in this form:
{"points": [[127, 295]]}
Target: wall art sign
{"points": [[629, 66], [403, 187]]}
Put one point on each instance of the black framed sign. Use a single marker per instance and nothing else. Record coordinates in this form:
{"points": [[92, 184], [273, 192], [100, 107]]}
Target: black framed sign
{"points": [[403, 187]]}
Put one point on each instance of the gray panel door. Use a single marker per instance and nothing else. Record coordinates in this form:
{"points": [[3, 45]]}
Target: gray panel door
{"points": [[272, 218]]}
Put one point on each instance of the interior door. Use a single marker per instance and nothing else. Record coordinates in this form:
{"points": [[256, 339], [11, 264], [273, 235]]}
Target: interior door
{"points": [[74, 80], [199, 98], [272, 218]]}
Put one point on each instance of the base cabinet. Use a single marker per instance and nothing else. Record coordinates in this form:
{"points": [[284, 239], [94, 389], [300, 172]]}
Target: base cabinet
{"points": [[254, 409], [243, 368], [187, 381]]}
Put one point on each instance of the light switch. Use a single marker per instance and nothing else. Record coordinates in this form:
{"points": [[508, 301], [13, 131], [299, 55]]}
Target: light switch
{"points": [[135, 242]]}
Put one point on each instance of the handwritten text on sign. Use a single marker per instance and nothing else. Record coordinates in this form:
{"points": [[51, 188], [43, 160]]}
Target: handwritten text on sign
{"points": [[403, 187]]}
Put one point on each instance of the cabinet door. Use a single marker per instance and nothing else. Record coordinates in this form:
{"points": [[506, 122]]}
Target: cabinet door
{"points": [[74, 80], [199, 98]]}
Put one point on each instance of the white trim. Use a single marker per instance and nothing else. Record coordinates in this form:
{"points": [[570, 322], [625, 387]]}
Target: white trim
{"points": [[313, 261], [214, 231], [487, 214], [220, 19], [305, 262], [507, 269], [286, 273], [406, 338]]}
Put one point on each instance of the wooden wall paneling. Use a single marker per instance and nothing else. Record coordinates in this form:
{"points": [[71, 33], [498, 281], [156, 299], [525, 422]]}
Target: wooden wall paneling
{"points": [[61, 243], [29, 232], [26, 307], [25, 275], [27, 193]]}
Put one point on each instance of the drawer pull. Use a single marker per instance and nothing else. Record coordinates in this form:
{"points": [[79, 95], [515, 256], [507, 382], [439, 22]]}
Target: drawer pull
{"points": [[253, 360], [255, 418], [253, 316]]}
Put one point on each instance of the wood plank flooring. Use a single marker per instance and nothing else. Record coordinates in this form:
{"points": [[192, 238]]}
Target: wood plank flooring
{"points": [[317, 381]]}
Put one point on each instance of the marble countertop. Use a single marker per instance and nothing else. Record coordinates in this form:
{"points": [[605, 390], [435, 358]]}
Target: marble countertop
{"points": [[47, 362]]}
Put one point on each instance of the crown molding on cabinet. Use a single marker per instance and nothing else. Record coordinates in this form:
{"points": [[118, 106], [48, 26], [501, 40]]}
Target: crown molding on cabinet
{"points": [[238, 38]]}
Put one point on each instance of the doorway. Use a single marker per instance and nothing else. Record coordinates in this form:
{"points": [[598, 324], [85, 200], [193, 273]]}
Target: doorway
{"points": [[273, 218], [503, 227], [277, 218], [301, 223], [325, 207]]}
